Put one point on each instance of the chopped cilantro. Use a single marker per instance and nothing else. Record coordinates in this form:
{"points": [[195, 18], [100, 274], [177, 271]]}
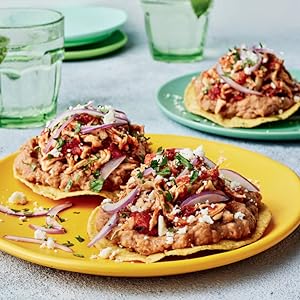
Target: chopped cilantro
{"points": [[68, 244], [79, 238], [163, 162], [77, 127], [139, 174], [37, 149], [96, 184], [164, 172], [154, 164], [169, 196], [61, 220], [15, 210], [76, 212], [160, 150], [96, 173], [69, 185], [194, 176], [183, 161], [78, 255], [60, 143]]}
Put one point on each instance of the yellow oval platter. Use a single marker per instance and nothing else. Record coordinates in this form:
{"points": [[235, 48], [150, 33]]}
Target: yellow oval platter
{"points": [[279, 185]]}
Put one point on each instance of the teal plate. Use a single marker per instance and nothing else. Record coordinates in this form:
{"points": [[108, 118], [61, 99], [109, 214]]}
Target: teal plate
{"points": [[116, 41], [170, 101], [89, 24]]}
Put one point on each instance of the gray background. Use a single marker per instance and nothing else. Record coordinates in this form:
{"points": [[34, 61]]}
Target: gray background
{"points": [[129, 80]]}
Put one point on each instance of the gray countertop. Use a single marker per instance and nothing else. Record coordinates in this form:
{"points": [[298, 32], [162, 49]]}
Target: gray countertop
{"points": [[129, 80]]}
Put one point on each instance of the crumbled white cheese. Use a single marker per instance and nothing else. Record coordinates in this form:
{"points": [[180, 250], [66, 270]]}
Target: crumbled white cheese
{"points": [[199, 151], [43, 245], [204, 211], [106, 252], [280, 111], [176, 219], [247, 71], [40, 234], [273, 85], [206, 219], [187, 153], [212, 205], [106, 200], [191, 219], [158, 178], [175, 210], [158, 157], [18, 198], [109, 117], [248, 55], [169, 237], [37, 209], [182, 230], [114, 254], [135, 208], [151, 196], [239, 215], [54, 152], [161, 224], [297, 98], [50, 243], [23, 218], [146, 237]]}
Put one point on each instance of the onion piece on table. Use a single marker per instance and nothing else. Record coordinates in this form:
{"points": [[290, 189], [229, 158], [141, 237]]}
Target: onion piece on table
{"points": [[117, 206], [106, 229], [203, 197], [58, 208], [35, 241], [47, 230], [234, 176], [234, 84]]}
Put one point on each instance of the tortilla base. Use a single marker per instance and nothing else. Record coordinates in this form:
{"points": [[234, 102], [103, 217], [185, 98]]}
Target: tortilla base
{"points": [[124, 255], [56, 194], [192, 105]]}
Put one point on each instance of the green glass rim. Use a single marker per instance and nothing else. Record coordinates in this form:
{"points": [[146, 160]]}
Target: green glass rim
{"points": [[60, 17]]}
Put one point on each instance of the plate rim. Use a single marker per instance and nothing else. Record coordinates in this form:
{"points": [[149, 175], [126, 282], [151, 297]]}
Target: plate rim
{"points": [[217, 129], [166, 267]]}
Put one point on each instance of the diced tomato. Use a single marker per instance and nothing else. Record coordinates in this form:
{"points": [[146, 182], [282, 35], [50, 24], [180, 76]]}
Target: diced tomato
{"points": [[188, 210], [115, 152], [183, 179], [170, 153], [241, 77], [141, 223], [214, 93], [84, 118], [72, 146]]}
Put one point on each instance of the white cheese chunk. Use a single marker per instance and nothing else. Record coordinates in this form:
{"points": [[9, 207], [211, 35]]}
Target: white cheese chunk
{"points": [[106, 252], [50, 243], [40, 234], [18, 198], [182, 230], [162, 228], [239, 215], [206, 219]]}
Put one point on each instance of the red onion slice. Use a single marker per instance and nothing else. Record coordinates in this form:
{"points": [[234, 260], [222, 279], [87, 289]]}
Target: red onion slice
{"points": [[9, 211], [88, 129], [233, 84], [209, 163], [117, 206], [52, 223], [149, 171], [106, 229], [110, 166], [203, 197], [35, 241], [234, 176], [47, 230], [58, 208]]}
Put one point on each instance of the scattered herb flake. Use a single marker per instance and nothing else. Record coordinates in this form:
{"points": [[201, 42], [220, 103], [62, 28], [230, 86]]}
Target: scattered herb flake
{"points": [[68, 244], [61, 220], [154, 165], [164, 172], [169, 196], [194, 176], [78, 255], [185, 162], [139, 175], [163, 162], [69, 185], [160, 150], [79, 238], [96, 184]]}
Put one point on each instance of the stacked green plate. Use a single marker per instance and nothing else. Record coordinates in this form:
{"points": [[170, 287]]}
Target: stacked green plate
{"points": [[92, 31]]}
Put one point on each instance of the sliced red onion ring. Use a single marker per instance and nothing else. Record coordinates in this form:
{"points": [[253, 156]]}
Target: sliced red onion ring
{"points": [[35, 241], [110, 166], [88, 129], [234, 84], [209, 163], [9, 211], [72, 112], [58, 208], [149, 171], [56, 134], [52, 223], [106, 229], [47, 230], [117, 206], [234, 176], [203, 197]]}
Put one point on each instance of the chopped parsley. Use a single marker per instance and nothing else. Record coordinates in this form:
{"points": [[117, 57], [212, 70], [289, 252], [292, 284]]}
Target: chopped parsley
{"points": [[183, 161], [68, 244], [139, 174], [160, 150], [78, 255], [79, 238], [96, 184], [60, 143], [194, 176], [154, 165], [164, 172], [69, 185]]}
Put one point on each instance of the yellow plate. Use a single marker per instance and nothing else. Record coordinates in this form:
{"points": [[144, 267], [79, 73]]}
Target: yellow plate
{"points": [[279, 185]]}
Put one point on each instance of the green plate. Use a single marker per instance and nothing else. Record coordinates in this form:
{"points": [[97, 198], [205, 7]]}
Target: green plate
{"points": [[90, 24], [170, 101], [116, 41]]}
